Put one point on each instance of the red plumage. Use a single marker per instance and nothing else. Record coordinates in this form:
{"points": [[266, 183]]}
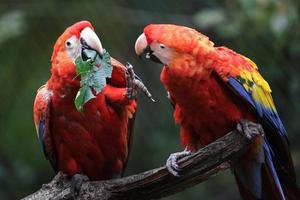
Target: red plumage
{"points": [[208, 110], [212, 89], [218, 110], [94, 142]]}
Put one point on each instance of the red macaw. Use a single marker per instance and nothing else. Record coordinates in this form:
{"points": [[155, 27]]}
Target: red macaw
{"points": [[94, 142], [212, 90]]}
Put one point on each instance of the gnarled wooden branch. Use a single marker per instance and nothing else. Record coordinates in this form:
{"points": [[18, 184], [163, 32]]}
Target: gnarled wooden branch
{"points": [[155, 183]]}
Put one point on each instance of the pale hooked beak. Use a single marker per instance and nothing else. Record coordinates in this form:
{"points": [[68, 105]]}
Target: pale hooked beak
{"points": [[143, 50], [140, 44], [89, 39]]}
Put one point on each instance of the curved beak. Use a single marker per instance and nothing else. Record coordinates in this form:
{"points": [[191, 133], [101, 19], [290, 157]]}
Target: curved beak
{"points": [[143, 50], [141, 44], [89, 40]]}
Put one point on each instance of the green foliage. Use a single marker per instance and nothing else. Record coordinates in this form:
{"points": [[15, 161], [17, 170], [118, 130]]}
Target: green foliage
{"points": [[93, 74], [237, 17]]}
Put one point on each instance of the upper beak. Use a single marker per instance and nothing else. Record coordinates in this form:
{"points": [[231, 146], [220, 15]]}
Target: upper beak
{"points": [[140, 44], [143, 50], [89, 39]]}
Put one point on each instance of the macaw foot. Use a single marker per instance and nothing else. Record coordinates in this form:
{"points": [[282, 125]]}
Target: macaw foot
{"points": [[76, 183], [134, 84], [249, 129], [172, 164]]}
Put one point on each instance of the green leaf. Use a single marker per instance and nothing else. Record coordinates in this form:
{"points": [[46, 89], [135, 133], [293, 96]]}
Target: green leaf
{"points": [[83, 95], [102, 70], [82, 66], [93, 74]]}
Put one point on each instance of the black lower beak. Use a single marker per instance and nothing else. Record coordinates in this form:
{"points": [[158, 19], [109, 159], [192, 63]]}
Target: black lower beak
{"points": [[84, 55], [148, 55], [87, 52]]}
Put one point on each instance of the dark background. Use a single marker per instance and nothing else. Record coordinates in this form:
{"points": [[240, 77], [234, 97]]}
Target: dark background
{"points": [[267, 31]]}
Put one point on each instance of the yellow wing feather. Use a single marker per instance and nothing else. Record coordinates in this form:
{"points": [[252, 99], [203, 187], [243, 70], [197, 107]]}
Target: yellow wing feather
{"points": [[261, 91]]}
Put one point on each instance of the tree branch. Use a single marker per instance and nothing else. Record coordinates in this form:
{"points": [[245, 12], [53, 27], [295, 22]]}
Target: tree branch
{"points": [[155, 183]]}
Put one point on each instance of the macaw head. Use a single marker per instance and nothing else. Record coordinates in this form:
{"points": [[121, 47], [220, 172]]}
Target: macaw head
{"points": [[164, 42], [72, 43]]}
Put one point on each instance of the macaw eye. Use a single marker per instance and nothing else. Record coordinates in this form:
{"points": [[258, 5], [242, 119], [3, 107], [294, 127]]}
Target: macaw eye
{"points": [[161, 46], [70, 42]]}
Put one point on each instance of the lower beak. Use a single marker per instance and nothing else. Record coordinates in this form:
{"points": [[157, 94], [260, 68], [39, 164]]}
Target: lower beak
{"points": [[143, 50], [89, 40], [147, 54]]}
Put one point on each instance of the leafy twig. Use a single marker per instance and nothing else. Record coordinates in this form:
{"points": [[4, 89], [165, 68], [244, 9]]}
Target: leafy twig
{"points": [[93, 73]]}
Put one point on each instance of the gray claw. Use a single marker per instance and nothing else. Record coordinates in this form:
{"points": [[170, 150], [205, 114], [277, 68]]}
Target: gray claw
{"points": [[249, 129], [172, 162], [76, 183], [134, 84]]}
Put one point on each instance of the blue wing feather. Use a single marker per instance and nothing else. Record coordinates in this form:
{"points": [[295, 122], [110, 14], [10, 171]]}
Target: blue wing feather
{"points": [[241, 75], [41, 131], [264, 112], [269, 162], [41, 119]]}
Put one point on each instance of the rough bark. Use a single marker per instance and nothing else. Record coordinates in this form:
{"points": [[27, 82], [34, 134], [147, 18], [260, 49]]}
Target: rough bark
{"points": [[155, 183]]}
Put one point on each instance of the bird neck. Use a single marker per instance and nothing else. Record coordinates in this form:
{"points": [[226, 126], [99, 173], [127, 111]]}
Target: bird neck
{"points": [[185, 72], [186, 67], [64, 80]]}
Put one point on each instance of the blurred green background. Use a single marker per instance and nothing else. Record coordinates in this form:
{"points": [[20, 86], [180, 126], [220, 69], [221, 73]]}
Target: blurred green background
{"points": [[267, 31]]}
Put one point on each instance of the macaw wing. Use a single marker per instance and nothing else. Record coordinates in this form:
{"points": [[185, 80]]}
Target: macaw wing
{"points": [[130, 133], [243, 77], [118, 79], [42, 106]]}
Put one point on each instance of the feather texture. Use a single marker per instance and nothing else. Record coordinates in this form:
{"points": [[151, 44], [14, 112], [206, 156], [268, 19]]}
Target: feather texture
{"points": [[96, 141], [212, 89]]}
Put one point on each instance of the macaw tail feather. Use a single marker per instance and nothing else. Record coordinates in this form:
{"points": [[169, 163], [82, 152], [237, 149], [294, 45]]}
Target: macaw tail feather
{"points": [[291, 190], [260, 179], [268, 187], [264, 188]]}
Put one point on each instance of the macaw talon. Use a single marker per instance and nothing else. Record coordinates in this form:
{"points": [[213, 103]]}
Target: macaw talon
{"points": [[249, 129], [134, 84], [172, 162], [76, 182]]}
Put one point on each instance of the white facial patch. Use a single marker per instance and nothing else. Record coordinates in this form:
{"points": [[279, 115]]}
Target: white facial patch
{"points": [[72, 47], [162, 52]]}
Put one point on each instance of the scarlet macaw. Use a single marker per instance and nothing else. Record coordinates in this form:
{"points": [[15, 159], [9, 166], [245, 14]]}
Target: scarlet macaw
{"points": [[96, 141], [212, 90]]}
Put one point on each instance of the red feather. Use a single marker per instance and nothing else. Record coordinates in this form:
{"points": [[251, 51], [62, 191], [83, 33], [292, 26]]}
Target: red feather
{"points": [[94, 142], [212, 89], [213, 110]]}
